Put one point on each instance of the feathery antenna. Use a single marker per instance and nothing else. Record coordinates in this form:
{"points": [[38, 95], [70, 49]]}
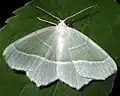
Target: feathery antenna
{"points": [[47, 12], [46, 21], [55, 17], [79, 12]]}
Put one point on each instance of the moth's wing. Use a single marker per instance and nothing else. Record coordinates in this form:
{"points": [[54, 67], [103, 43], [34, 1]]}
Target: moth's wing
{"points": [[90, 60], [65, 69], [96, 70], [30, 53], [67, 73], [44, 74]]}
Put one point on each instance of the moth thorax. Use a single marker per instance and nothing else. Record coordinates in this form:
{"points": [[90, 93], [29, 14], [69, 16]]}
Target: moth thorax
{"points": [[61, 28]]}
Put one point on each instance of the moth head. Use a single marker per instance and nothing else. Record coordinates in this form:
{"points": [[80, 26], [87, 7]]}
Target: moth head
{"points": [[62, 23], [61, 28]]}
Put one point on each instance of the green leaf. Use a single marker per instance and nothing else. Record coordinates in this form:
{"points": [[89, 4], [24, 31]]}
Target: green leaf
{"points": [[101, 24]]}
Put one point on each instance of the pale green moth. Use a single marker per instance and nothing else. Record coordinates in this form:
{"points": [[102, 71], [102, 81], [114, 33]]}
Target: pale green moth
{"points": [[60, 53]]}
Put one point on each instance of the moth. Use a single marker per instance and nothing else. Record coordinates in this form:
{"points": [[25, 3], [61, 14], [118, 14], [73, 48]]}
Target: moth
{"points": [[60, 52]]}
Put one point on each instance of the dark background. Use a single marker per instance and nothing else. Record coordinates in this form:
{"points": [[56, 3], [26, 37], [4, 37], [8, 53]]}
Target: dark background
{"points": [[6, 9]]}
